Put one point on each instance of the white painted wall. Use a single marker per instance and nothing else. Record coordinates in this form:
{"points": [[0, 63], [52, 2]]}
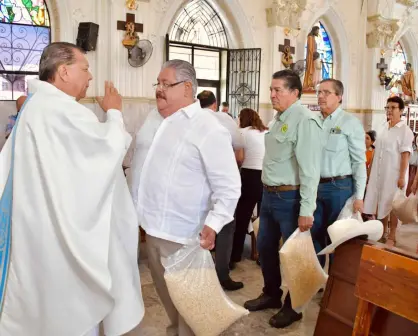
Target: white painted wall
{"points": [[245, 22]]}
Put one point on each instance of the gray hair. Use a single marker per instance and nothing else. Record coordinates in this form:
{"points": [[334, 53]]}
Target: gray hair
{"points": [[338, 86], [184, 72], [55, 55]]}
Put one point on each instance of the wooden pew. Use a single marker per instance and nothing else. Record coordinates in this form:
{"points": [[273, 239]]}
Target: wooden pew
{"points": [[339, 303], [388, 280]]}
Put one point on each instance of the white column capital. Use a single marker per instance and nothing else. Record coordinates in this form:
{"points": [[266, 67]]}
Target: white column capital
{"points": [[285, 13], [382, 32]]}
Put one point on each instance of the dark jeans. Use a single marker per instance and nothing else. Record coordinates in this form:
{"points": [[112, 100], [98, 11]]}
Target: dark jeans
{"points": [[278, 218], [330, 201], [251, 194], [223, 250]]}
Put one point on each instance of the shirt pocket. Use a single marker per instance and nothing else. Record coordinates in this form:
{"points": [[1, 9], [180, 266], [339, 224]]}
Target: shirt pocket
{"points": [[336, 143], [281, 146]]}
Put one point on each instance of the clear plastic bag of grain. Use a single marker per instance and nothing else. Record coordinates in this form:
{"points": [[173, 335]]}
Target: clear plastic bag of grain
{"points": [[301, 269], [196, 292], [347, 211]]}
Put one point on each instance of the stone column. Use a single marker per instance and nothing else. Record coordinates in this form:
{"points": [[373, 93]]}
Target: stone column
{"points": [[380, 41], [283, 21]]}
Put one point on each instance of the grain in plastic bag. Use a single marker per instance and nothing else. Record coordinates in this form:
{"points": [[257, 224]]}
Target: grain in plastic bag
{"points": [[301, 269], [195, 290], [405, 208], [347, 211], [407, 237]]}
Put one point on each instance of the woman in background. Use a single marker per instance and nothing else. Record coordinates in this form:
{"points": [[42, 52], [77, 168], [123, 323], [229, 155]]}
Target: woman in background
{"points": [[413, 162], [250, 158], [389, 170], [370, 139]]}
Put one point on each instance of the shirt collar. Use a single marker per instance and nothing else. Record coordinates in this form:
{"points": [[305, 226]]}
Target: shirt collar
{"points": [[333, 114], [36, 85], [283, 116], [191, 109], [400, 124]]}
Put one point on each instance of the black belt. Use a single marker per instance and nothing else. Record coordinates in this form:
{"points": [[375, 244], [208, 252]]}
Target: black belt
{"points": [[332, 179]]}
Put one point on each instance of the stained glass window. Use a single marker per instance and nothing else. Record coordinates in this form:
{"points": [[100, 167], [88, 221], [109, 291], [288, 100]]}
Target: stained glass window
{"points": [[324, 48], [198, 23], [24, 33]]}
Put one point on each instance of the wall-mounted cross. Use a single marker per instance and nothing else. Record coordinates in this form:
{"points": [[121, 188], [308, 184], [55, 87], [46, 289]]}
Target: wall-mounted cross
{"points": [[282, 47], [382, 65], [139, 27]]}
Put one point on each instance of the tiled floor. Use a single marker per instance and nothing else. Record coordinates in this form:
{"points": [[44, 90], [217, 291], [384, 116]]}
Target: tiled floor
{"points": [[255, 324]]}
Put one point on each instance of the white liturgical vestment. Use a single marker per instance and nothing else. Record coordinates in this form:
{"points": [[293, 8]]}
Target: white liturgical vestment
{"points": [[74, 226]]}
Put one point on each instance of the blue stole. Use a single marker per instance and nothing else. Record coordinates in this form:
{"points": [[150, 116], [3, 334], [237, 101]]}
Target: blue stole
{"points": [[6, 207]]}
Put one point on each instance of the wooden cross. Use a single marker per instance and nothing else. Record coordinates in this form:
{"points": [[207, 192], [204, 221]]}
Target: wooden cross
{"points": [[382, 65], [139, 27], [282, 47]]}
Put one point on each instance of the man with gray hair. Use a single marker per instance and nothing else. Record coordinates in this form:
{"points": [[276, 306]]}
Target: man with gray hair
{"points": [[73, 228], [186, 182]]}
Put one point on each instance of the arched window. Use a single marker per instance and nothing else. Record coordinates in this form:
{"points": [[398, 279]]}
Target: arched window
{"points": [[398, 62], [324, 48], [24, 33], [198, 23]]}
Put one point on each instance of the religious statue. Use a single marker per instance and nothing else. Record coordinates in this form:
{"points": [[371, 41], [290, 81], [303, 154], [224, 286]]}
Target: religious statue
{"points": [[317, 77], [287, 58], [131, 4], [408, 84], [308, 83], [131, 37]]}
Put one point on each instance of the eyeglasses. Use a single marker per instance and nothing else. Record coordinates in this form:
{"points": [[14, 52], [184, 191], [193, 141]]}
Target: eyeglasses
{"points": [[165, 86], [391, 108], [326, 93]]}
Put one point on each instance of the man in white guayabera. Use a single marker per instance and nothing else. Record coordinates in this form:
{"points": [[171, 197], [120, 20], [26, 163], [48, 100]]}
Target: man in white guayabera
{"points": [[185, 178]]}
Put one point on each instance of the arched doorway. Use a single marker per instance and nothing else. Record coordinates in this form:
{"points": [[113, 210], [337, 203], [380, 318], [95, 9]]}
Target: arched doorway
{"points": [[198, 36]]}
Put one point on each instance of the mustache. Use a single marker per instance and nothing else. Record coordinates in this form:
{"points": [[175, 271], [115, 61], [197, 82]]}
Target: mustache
{"points": [[159, 95]]}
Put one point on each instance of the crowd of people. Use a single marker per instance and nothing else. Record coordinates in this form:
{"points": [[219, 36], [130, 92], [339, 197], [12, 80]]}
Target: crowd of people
{"points": [[197, 175]]}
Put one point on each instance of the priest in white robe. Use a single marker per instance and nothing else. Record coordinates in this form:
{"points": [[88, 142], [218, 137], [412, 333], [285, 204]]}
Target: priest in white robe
{"points": [[68, 256]]}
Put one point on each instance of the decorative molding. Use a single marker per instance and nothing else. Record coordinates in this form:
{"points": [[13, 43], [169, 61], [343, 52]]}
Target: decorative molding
{"points": [[54, 18], [383, 32], [161, 6], [408, 3], [78, 16], [285, 13], [265, 106], [365, 111]]}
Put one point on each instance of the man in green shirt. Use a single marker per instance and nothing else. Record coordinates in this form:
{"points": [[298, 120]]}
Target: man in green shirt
{"points": [[291, 171], [343, 167]]}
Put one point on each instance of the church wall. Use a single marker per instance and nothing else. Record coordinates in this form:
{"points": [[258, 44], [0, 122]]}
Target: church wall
{"points": [[246, 25]]}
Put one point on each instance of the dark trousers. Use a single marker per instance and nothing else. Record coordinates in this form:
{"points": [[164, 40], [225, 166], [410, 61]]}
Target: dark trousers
{"points": [[223, 250], [278, 218], [331, 199], [251, 194]]}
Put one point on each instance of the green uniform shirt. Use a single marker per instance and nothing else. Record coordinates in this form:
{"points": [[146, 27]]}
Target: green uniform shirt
{"points": [[345, 149], [294, 145]]}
